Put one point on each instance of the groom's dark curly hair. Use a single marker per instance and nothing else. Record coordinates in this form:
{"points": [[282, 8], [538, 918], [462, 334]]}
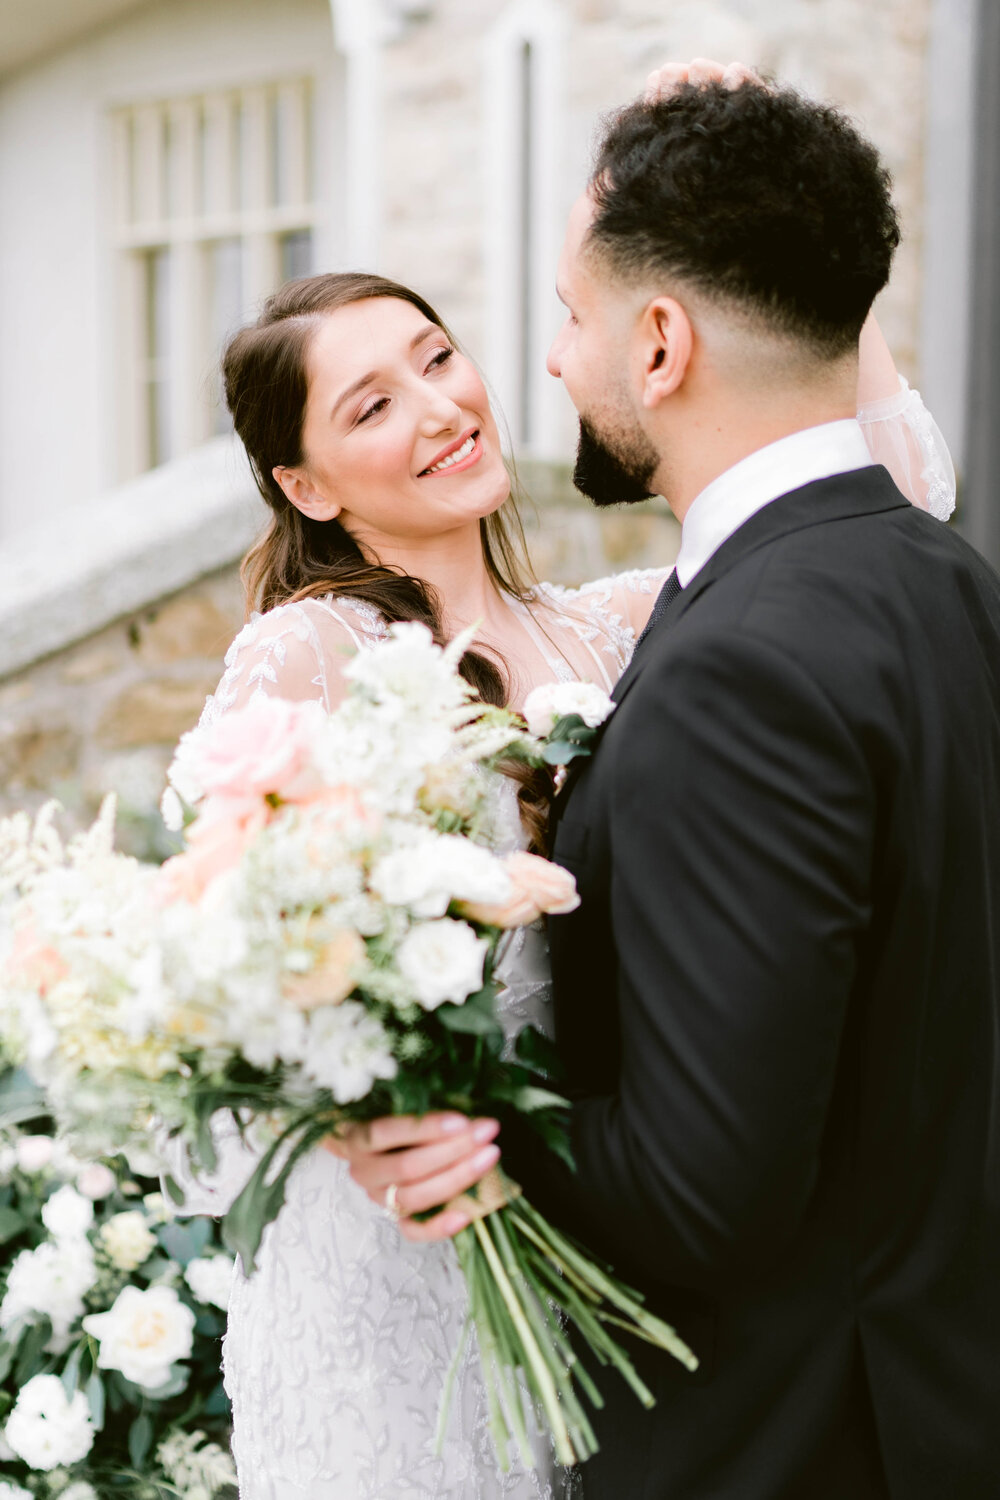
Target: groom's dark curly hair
{"points": [[754, 195]]}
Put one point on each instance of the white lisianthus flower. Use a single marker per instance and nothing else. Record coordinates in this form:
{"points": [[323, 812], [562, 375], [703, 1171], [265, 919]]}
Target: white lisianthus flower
{"points": [[441, 961], [210, 1278], [430, 873], [34, 1152], [78, 1490], [143, 1334], [128, 1240], [52, 1281], [46, 1428], [68, 1214], [546, 705], [95, 1181], [348, 1050]]}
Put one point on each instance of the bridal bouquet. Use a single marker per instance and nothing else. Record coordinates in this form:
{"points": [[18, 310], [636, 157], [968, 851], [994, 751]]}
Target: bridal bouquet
{"points": [[110, 1321], [324, 950]]}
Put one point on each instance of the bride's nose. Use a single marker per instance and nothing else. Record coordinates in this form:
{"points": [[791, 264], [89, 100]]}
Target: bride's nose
{"points": [[440, 414]]}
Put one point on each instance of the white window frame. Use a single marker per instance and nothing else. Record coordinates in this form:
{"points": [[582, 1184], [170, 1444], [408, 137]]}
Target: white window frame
{"points": [[224, 195], [522, 312]]}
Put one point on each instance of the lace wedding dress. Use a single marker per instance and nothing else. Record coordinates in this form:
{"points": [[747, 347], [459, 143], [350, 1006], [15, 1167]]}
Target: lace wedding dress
{"points": [[338, 1347]]}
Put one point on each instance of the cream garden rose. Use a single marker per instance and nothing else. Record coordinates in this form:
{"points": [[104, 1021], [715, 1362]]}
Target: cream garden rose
{"points": [[546, 705], [442, 961], [143, 1335]]}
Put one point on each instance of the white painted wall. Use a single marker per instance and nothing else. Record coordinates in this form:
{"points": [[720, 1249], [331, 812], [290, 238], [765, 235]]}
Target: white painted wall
{"points": [[58, 447]]}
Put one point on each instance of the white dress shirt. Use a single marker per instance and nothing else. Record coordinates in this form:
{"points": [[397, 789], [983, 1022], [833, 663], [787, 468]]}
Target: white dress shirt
{"points": [[739, 493]]}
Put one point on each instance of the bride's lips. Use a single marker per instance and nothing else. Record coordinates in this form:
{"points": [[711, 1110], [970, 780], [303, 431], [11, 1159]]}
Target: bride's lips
{"points": [[473, 456]]}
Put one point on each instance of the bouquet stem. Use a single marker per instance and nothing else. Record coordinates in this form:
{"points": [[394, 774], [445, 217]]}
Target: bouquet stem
{"points": [[528, 1287]]}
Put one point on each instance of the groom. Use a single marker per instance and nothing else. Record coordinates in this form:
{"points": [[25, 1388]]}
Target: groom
{"points": [[779, 1003]]}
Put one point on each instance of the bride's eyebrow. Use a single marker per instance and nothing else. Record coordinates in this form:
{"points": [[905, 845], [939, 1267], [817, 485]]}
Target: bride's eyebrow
{"points": [[428, 330]]}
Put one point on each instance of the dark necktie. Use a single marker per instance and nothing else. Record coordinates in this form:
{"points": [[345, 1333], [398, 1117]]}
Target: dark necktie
{"points": [[668, 594]]}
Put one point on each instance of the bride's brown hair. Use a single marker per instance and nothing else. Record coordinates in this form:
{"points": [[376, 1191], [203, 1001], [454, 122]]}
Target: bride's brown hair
{"points": [[267, 386]]}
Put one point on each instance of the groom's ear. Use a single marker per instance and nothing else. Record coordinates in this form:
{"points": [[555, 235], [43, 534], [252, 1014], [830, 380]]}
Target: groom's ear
{"points": [[303, 495], [666, 340]]}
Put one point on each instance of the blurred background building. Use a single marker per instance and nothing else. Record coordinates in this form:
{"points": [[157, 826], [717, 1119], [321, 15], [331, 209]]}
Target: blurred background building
{"points": [[164, 164]]}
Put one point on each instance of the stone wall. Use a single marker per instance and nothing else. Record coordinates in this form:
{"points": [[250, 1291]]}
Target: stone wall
{"points": [[103, 713]]}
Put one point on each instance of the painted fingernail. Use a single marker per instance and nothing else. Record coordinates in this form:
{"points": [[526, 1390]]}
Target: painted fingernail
{"points": [[487, 1158], [485, 1130], [452, 1124]]}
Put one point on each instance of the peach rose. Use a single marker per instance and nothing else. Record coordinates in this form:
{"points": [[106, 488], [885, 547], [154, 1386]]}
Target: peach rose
{"points": [[538, 886], [331, 978], [216, 843]]}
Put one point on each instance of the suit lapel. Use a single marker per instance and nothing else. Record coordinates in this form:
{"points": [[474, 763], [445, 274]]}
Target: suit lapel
{"points": [[863, 492]]}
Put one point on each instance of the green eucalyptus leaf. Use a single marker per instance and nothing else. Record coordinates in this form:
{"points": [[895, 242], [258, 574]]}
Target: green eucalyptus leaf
{"points": [[33, 1342], [7, 1353], [140, 1439], [528, 1098], [71, 1372], [95, 1400], [175, 1191], [11, 1224], [260, 1201]]}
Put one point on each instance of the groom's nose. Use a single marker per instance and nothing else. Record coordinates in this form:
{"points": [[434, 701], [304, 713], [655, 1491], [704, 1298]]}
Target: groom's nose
{"points": [[553, 361]]}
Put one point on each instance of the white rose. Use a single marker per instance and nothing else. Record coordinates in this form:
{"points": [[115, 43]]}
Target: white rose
{"points": [[51, 1280], [128, 1240], [143, 1334], [46, 1428], [441, 961], [34, 1152], [348, 1050], [210, 1279], [67, 1214], [429, 874], [546, 705], [96, 1181]]}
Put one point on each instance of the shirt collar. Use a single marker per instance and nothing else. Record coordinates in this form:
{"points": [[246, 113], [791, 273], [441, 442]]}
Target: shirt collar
{"points": [[736, 495]]}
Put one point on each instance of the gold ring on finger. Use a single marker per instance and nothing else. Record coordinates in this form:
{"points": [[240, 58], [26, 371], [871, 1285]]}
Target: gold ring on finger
{"points": [[391, 1203]]}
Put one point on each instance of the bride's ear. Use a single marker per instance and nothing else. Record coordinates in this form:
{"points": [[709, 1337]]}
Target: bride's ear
{"points": [[298, 490], [667, 340]]}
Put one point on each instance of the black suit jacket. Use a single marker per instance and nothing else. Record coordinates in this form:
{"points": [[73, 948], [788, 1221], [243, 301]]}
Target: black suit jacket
{"points": [[779, 1008]]}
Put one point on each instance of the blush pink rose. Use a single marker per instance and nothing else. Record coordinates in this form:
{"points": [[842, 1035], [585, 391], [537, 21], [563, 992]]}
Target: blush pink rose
{"points": [[539, 887], [33, 962], [264, 749]]}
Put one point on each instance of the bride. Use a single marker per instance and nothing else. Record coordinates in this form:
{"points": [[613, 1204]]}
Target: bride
{"points": [[373, 443]]}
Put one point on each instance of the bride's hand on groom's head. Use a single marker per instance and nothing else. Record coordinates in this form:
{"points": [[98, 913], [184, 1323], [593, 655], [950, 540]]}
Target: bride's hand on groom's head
{"points": [[427, 1161], [662, 82]]}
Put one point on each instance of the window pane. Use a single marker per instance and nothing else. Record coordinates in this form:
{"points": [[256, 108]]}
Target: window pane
{"points": [[296, 254], [225, 271], [158, 296]]}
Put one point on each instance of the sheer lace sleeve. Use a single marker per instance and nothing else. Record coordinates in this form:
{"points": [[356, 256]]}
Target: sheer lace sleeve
{"points": [[608, 614], [295, 651], [902, 435]]}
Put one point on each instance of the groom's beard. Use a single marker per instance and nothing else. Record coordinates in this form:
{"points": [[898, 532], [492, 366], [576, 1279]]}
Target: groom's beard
{"points": [[616, 469]]}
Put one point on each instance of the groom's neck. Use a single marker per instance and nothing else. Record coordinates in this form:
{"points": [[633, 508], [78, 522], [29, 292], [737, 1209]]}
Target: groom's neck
{"points": [[721, 428]]}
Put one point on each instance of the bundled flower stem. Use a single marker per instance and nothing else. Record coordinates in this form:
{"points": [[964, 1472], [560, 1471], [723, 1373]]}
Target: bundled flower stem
{"points": [[328, 949]]}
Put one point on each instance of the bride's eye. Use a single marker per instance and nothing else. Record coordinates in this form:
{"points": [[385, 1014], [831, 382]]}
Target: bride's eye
{"points": [[440, 359], [376, 406]]}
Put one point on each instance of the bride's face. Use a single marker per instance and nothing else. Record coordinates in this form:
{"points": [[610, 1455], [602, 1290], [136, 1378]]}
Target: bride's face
{"points": [[399, 440]]}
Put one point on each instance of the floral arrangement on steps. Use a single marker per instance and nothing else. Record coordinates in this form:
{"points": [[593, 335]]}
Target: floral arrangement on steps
{"points": [[111, 1317]]}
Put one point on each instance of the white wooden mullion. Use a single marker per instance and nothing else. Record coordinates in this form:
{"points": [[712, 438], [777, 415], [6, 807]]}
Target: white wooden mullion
{"points": [[293, 169], [147, 165]]}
